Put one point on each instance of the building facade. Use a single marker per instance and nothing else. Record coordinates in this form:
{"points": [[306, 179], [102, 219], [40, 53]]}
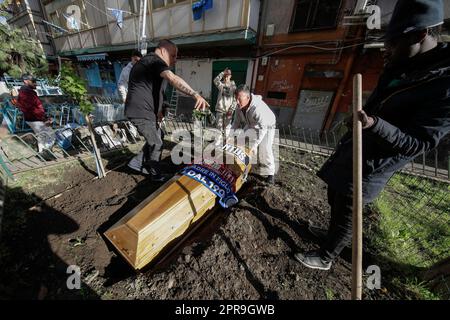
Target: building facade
{"points": [[308, 52], [300, 55], [222, 35], [28, 16]]}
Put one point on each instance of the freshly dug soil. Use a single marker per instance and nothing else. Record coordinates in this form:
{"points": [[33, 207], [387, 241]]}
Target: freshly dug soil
{"points": [[243, 253]]}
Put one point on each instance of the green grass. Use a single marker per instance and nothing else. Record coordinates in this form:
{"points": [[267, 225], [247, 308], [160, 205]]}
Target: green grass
{"points": [[329, 293], [414, 227], [414, 288]]}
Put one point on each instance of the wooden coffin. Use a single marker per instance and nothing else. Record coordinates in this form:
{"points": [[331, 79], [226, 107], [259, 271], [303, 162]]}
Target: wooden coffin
{"points": [[168, 213]]}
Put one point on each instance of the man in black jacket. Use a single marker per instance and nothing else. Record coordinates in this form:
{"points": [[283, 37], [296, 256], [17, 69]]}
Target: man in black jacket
{"points": [[407, 115]]}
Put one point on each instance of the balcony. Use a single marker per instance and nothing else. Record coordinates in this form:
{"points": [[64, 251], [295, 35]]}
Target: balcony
{"points": [[233, 21]]}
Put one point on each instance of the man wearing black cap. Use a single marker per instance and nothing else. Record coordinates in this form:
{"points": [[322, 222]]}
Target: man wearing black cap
{"points": [[407, 115], [34, 113]]}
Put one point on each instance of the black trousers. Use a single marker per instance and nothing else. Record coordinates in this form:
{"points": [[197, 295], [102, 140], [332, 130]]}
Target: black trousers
{"points": [[340, 229], [149, 129]]}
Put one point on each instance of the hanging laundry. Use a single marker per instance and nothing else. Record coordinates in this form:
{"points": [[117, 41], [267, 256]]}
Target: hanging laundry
{"points": [[72, 22], [199, 7], [197, 10], [118, 14], [207, 4]]}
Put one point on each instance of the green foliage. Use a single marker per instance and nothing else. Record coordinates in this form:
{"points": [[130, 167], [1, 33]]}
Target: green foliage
{"points": [[200, 115], [415, 289], [329, 293], [15, 71], [75, 87], [414, 222], [20, 54], [413, 230]]}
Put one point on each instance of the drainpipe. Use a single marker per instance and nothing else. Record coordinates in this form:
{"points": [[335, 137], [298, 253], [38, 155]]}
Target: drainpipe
{"points": [[360, 8], [262, 20], [142, 42], [337, 100]]}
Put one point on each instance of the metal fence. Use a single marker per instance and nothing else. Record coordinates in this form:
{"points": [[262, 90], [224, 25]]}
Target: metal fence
{"points": [[62, 115], [412, 234], [435, 164], [19, 153]]}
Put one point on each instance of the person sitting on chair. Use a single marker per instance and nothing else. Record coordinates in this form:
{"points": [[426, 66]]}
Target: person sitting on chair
{"points": [[34, 114]]}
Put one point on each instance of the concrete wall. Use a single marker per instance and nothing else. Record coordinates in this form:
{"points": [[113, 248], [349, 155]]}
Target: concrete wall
{"points": [[129, 32], [255, 6], [278, 13], [34, 5], [197, 74]]}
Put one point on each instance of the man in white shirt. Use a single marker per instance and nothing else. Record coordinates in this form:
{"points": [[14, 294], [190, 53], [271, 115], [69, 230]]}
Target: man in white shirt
{"points": [[255, 114], [125, 75]]}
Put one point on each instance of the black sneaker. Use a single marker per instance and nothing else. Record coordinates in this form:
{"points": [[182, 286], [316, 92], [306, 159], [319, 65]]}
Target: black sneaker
{"points": [[313, 260], [159, 177], [156, 175], [319, 233]]}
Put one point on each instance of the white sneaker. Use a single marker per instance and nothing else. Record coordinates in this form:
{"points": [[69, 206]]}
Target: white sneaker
{"points": [[136, 164], [313, 260]]}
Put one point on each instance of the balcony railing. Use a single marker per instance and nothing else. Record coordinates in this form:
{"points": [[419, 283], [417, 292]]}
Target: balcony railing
{"points": [[175, 20]]}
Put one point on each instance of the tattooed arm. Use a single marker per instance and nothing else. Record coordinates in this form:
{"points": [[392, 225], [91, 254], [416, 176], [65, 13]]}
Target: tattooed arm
{"points": [[185, 88]]}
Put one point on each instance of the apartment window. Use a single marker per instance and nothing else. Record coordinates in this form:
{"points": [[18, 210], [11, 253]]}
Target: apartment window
{"points": [[276, 95], [315, 14]]}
